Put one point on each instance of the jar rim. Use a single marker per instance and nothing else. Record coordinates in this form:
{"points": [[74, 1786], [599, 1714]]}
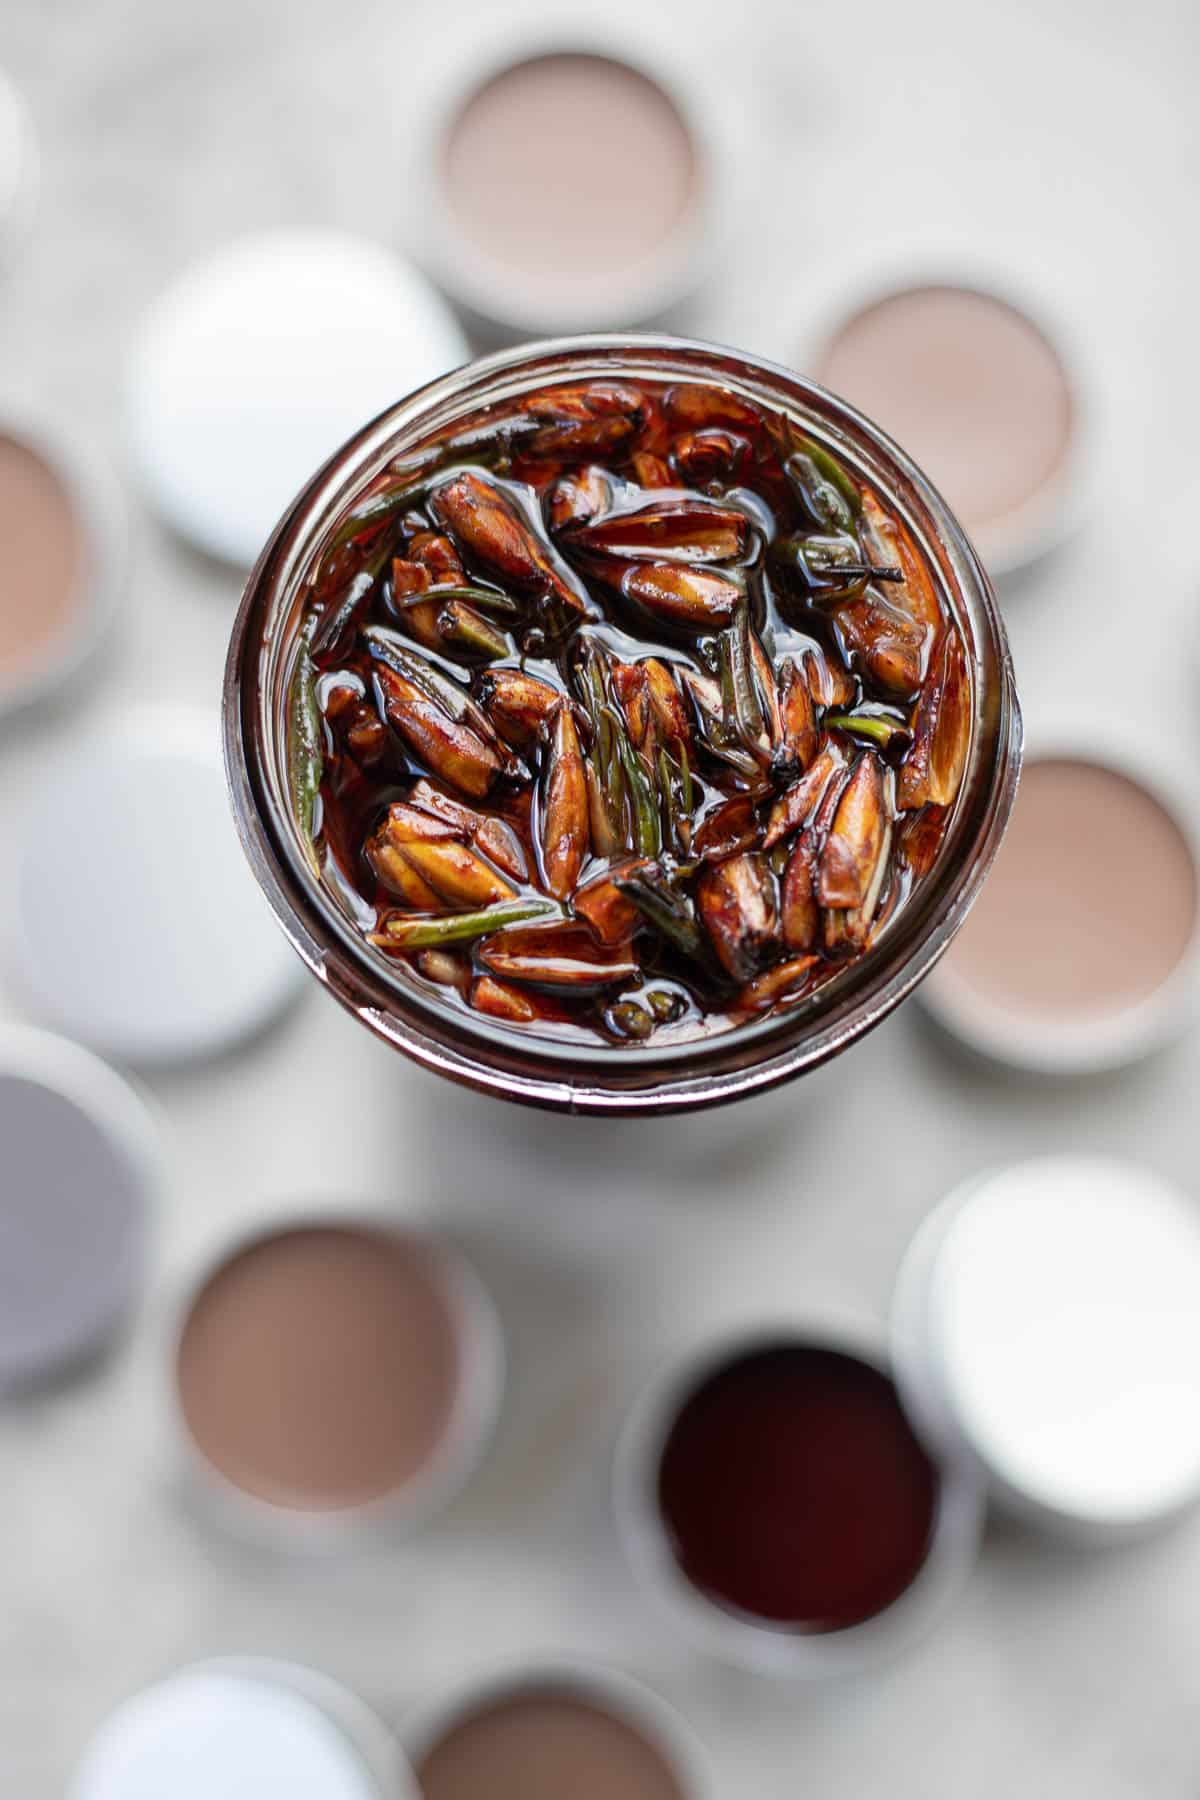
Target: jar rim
{"points": [[485, 1053]]}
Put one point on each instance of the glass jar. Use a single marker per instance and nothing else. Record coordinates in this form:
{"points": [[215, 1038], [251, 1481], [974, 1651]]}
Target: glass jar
{"points": [[486, 1053]]}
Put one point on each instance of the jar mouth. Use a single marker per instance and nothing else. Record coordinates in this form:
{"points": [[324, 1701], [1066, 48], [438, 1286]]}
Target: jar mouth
{"points": [[749, 1640], [487, 1053]]}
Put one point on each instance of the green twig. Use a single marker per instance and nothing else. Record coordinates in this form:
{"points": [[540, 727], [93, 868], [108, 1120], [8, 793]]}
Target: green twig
{"points": [[458, 928], [306, 749]]}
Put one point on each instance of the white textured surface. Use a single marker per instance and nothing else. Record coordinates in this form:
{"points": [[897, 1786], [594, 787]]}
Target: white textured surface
{"points": [[18, 169], [1051, 131]]}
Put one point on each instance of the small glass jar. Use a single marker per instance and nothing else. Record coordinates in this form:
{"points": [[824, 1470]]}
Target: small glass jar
{"points": [[485, 1053], [739, 1639]]}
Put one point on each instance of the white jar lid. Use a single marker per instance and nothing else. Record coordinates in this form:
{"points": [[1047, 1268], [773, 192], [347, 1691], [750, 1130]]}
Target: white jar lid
{"points": [[1046, 1325], [240, 1730], [259, 362], [138, 927], [81, 1168]]}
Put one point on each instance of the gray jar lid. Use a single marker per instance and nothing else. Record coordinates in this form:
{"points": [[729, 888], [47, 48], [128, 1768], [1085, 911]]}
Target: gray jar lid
{"points": [[81, 1169]]}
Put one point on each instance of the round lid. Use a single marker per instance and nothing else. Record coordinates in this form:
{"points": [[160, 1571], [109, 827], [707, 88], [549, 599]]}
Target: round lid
{"points": [[139, 928], [1063, 1322], [216, 1731], [80, 1168], [511, 1728], [63, 527], [260, 362]]}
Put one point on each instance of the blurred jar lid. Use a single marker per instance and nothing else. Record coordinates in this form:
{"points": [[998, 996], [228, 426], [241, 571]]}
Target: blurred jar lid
{"points": [[138, 927], [259, 361], [1045, 1328]]}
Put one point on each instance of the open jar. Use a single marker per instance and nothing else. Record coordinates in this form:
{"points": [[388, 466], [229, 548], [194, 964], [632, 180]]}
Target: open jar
{"points": [[571, 1072]]}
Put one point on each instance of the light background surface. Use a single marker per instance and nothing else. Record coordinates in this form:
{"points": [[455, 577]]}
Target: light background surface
{"points": [[1055, 136]]}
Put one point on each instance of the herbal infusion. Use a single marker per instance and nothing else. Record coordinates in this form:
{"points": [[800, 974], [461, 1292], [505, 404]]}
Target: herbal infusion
{"points": [[624, 711]]}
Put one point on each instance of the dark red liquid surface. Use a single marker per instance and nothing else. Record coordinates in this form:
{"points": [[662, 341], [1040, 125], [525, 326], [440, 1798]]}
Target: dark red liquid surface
{"points": [[794, 1491]]}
